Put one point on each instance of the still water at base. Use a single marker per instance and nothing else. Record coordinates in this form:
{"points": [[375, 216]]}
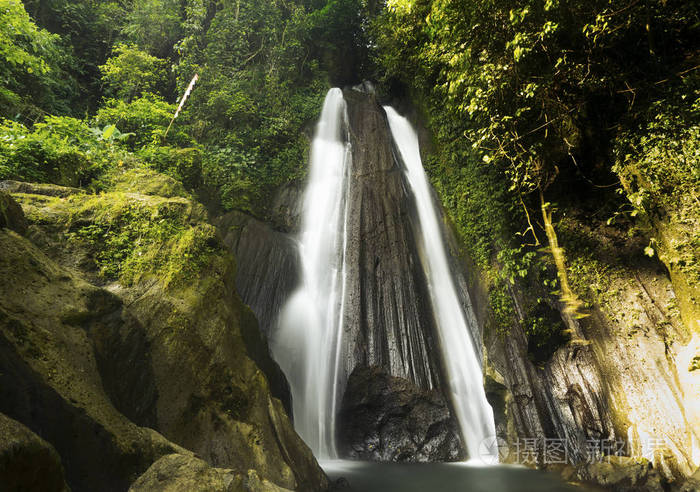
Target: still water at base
{"points": [[441, 477]]}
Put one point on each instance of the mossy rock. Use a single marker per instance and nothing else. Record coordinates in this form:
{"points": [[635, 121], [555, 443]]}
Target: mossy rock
{"points": [[125, 236], [147, 182], [177, 472], [46, 189], [50, 377], [623, 474], [11, 215], [27, 462], [176, 349]]}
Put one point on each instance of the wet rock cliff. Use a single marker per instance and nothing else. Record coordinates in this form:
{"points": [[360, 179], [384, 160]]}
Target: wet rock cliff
{"points": [[115, 363], [620, 381]]}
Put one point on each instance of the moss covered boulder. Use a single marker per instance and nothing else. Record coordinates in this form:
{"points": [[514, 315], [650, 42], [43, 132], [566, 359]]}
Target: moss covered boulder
{"points": [[11, 215], [49, 375], [27, 462], [176, 472], [174, 347]]}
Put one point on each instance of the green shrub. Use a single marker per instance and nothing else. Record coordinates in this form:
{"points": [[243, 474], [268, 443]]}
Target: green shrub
{"points": [[184, 165], [61, 150], [131, 73], [146, 117], [33, 65]]}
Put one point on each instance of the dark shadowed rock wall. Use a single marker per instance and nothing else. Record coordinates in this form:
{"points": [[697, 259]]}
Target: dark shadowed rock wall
{"points": [[384, 418], [389, 321]]}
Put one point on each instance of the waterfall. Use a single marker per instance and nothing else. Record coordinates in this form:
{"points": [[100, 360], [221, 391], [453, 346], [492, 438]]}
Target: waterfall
{"points": [[308, 338], [465, 379]]}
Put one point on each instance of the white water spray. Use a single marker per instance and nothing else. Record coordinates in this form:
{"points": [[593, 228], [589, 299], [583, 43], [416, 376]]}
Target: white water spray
{"points": [[465, 379], [307, 342]]}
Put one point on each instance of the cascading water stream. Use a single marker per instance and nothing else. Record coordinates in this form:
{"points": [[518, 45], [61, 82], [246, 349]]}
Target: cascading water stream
{"points": [[465, 379], [308, 338]]}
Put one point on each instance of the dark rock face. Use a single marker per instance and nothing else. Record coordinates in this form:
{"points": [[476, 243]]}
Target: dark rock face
{"points": [[49, 378], [389, 322], [266, 274], [267, 264], [388, 317], [27, 462], [620, 379], [384, 418], [11, 215], [623, 474]]}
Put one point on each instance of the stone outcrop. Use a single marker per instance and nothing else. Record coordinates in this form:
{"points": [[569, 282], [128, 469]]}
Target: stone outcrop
{"points": [[268, 267], [45, 189], [11, 215], [93, 365], [384, 418], [27, 462], [618, 384], [177, 472], [388, 313], [49, 376]]}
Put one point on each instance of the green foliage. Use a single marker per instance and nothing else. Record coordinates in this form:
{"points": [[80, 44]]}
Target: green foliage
{"points": [[264, 68], [88, 28], [155, 25], [262, 85], [146, 181], [338, 31], [537, 94], [146, 117], [530, 80], [32, 64], [502, 307], [662, 151], [60, 150], [183, 164], [132, 73], [658, 160], [20, 38], [233, 173]]}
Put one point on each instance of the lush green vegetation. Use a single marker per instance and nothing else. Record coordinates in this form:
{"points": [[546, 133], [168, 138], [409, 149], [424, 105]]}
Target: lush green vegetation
{"points": [[120, 67], [537, 109], [537, 102]]}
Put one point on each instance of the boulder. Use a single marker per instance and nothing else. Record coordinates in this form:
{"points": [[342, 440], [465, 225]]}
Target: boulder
{"points": [[385, 418], [177, 472], [172, 346], [27, 462], [49, 376], [622, 474], [45, 189], [11, 215]]}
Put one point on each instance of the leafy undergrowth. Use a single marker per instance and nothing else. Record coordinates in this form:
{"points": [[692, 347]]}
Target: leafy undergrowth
{"points": [[658, 161]]}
